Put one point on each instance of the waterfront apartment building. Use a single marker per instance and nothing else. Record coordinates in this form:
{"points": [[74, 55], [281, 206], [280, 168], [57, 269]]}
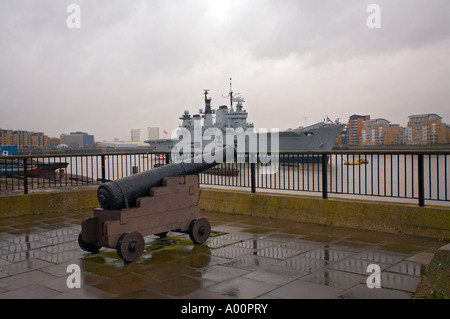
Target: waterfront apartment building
{"points": [[426, 129], [381, 132], [342, 138], [355, 125], [395, 134], [23, 138]]}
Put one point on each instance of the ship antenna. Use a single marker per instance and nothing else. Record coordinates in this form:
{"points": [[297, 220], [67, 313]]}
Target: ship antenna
{"points": [[231, 95]]}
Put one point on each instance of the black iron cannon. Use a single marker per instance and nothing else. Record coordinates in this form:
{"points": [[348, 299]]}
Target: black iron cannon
{"points": [[124, 192], [153, 202]]}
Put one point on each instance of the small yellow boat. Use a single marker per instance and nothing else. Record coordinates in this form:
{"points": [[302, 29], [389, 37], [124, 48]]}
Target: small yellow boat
{"points": [[358, 162]]}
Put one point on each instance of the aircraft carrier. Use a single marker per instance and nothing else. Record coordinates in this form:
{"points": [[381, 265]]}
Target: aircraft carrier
{"points": [[233, 118]]}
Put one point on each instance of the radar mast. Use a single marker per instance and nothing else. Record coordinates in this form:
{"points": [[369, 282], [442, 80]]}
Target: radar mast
{"points": [[208, 112], [231, 95]]}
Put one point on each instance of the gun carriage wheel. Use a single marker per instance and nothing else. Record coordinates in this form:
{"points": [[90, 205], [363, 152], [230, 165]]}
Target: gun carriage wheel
{"points": [[89, 247], [199, 230], [130, 246]]}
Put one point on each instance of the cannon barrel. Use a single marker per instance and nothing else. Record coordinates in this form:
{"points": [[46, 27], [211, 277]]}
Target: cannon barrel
{"points": [[124, 192]]}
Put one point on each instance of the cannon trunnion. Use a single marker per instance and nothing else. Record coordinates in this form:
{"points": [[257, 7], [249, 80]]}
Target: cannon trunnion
{"points": [[173, 206]]}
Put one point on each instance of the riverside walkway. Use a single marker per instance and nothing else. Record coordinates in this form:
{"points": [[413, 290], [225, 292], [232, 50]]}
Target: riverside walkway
{"points": [[245, 258]]}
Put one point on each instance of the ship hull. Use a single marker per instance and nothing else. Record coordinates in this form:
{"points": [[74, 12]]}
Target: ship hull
{"points": [[315, 138]]}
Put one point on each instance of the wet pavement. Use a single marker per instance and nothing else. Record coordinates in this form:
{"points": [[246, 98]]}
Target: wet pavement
{"points": [[245, 258]]}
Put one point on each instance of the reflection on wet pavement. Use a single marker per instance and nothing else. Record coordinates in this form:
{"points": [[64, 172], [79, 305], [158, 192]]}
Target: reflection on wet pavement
{"points": [[245, 257]]}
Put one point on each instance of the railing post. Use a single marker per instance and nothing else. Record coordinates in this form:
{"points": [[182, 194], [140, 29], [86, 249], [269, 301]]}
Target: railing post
{"points": [[167, 158], [253, 177], [421, 181], [25, 176], [103, 169], [324, 176]]}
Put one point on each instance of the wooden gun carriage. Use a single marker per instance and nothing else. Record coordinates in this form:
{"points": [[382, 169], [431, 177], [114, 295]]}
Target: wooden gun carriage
{"points": [[171, 207]]}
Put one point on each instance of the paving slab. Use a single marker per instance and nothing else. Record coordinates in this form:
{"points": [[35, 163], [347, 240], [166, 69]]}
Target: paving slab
{"points": [[300, 289], [335, 278], [362, 292]]}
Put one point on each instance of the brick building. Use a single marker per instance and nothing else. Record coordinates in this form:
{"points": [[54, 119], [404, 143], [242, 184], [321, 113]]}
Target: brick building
{"points": [[426, 129], [355, 125], [381, 132], [23, 138]]}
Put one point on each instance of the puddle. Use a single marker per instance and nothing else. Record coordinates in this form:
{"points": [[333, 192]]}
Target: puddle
{"points": [[335, 278]]}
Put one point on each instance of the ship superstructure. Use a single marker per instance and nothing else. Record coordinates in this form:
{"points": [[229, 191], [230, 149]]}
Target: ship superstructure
{"points": [[233, 118]]}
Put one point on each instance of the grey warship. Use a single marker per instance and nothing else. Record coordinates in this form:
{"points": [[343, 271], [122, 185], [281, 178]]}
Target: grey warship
{"points": [[318, 137]]}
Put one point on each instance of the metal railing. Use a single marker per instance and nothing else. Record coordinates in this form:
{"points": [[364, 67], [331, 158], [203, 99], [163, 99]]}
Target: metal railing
{"points": [[24, 173], [416, 175]]}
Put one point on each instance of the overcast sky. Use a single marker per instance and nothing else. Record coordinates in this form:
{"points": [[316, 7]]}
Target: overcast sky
{"points": [[135, 64]]}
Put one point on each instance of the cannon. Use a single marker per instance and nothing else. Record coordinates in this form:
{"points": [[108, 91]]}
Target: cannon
{"points": [[153, 202]]}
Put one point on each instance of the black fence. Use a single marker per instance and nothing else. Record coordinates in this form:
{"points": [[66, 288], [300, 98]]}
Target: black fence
{"points": [[417, 175], [24, 173]]}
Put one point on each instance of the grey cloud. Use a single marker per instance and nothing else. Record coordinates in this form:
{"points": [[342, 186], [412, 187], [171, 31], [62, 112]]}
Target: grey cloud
{"points": [[141, 63]]}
